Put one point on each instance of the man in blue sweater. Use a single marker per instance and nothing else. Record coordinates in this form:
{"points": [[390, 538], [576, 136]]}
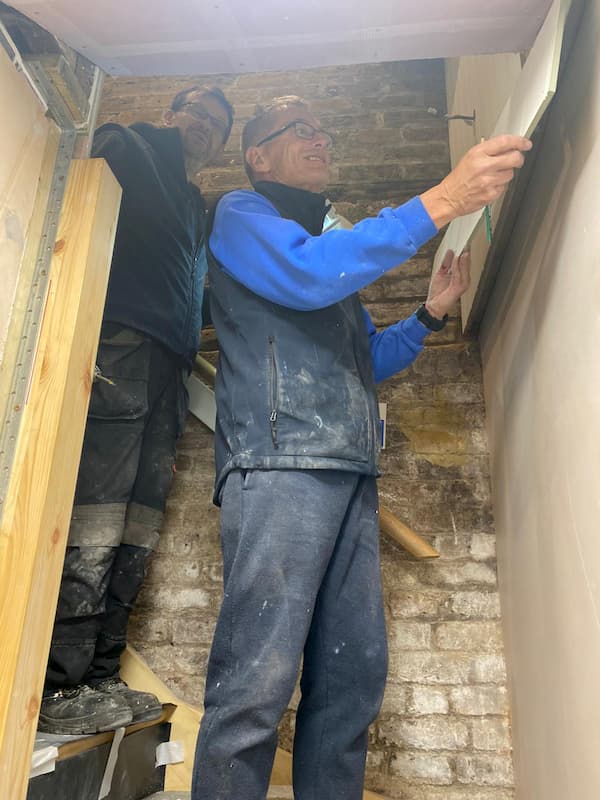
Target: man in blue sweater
{"points": [[150, 334], [296, 451]]}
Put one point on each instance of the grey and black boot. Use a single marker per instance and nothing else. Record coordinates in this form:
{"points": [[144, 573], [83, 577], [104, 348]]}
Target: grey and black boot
{"points": [[144, 706], [81, 709]]}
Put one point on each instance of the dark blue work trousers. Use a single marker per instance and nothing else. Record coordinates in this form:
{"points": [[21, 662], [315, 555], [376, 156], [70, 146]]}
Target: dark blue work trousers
{"points": [[301, 581], [135, 417]]}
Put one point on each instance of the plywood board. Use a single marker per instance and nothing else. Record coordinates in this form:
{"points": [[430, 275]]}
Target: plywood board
{"points": [[37, 510], [522, 111], [24, 135]]}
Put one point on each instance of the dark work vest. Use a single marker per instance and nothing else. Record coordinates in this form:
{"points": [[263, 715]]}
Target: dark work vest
{"points": [[295, 389]]}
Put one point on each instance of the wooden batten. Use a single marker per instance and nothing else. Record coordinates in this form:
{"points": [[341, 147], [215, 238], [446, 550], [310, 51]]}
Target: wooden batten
{"points": [[37, 509]]}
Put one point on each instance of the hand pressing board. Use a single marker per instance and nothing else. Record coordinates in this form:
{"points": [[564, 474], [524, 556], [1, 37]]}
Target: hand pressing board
{"points": [[522, 111]]}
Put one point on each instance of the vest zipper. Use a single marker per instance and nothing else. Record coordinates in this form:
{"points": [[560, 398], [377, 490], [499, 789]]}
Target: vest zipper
{"points": [[274, 399]]}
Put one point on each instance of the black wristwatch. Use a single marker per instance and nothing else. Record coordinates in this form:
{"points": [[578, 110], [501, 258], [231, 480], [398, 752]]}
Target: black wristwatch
{"points": [[430, 322]]}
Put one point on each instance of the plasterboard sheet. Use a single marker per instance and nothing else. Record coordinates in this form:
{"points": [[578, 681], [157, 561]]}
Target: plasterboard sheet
{"points": [[202, 401], [523, 110], [187, 37]]}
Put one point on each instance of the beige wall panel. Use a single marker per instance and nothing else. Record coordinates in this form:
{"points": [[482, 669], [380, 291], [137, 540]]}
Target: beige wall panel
{"points": [[23, 135], [542, 383]]}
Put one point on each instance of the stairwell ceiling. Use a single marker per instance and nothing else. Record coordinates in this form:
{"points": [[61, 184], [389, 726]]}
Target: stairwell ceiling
{"points": [[152, 37]]}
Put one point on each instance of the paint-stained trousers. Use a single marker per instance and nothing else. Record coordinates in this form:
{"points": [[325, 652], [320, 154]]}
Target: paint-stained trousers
{"points": [[301, 584], [136, 414]]}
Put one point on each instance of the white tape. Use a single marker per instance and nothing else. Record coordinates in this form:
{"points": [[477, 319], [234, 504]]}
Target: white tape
{"points": [[111, 763], [43, 761], [169, 753]]}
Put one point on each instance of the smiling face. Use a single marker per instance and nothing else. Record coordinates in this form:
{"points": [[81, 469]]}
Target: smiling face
{"points": [[202, 122], [288, 158]]}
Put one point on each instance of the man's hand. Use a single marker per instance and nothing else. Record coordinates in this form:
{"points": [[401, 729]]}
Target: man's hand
{"points": [[448, 284], [478, 179]]}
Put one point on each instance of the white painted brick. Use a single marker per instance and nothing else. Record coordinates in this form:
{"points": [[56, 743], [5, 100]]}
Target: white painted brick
{"points": [[415, 605], [428, 768], [409, 636], [483, 546], [491, 733], [488, 669], [428, 700], [193, 628], [478, 700], [434, 667], [427, 733], [473, 605], [450, 574], [151, 630], [485, 770], [455, 793], [482, 636], [168, 598], [394, 699]]}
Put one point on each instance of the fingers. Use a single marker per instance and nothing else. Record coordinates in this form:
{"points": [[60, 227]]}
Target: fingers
{"points": [[461, 272], [447, 261], [464, 267], [505, 145]]}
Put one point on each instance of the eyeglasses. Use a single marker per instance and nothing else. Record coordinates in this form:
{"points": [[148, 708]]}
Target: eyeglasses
{"points": [[302, 130], [199, 112]]}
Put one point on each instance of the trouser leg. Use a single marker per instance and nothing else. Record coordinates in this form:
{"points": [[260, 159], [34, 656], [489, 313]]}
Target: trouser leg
{"points": [[345, 662], [126, 579], [107, 473], [279, 531], [145, 512], [81, 600]]}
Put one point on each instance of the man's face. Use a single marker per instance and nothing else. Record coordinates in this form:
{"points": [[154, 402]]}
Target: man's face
{"points": [[288, 158], [202, 122]]}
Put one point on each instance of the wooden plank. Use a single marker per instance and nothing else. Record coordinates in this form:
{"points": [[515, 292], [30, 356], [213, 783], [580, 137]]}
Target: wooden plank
{"points": [[522, 111], [37, 511]]}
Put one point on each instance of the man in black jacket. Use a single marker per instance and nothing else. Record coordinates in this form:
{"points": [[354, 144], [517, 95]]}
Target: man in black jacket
{"points": [[149, 337]]}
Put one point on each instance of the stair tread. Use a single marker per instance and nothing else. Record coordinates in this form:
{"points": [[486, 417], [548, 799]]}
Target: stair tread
{"points": [[73, 745]]}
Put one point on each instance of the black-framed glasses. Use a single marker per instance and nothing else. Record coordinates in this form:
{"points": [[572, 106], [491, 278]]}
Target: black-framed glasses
{"points": [[199, 112], [302, 130]]}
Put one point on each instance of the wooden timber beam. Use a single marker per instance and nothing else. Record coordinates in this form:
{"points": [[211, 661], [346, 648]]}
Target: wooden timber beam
{"points": [[37, 510]]}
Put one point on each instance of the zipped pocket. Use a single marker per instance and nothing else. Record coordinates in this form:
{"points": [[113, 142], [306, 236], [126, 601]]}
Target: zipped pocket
{"points": [[274, 399]]}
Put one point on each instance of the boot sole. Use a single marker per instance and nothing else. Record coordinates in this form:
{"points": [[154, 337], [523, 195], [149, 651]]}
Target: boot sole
{"points": [[78, 727], [148, 716]]}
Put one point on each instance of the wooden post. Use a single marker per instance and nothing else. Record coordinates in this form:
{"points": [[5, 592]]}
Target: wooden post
{"points": [[405, 536], [37, 511]]}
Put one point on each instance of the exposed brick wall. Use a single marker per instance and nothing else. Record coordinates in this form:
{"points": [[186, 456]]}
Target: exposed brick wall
{"points": [[443, 731]]}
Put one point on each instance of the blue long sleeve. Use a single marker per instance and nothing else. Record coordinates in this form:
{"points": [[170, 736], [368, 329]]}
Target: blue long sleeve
{"points": [[396, 347], [279, 260]]}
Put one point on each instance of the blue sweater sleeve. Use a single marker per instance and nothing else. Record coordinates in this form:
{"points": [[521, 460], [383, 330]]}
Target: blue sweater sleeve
{"points": [[396, 347], [279, 260]]}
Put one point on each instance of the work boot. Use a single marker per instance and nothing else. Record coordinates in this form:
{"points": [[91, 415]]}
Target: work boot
{"points": [[80, 709], [144, 705]]}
